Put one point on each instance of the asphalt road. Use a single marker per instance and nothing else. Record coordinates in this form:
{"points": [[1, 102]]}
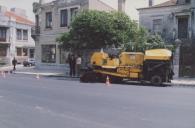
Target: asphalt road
{"points": [[26, 102]]}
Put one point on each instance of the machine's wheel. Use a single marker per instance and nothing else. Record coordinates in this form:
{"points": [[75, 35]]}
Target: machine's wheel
{"points": [[156, 80], [116, 80], [89, 77], [113, 79]]}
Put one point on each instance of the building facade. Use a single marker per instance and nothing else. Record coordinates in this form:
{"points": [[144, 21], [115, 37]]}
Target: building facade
{"points": [[15, 36], [174, 20], [52, 19]]}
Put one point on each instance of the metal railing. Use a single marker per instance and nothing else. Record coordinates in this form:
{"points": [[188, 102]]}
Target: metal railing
{"points": [[35, 30]]}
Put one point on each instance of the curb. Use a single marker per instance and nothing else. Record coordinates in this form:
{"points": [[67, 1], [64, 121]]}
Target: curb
{"points": [[183, 82], [182, 85]]}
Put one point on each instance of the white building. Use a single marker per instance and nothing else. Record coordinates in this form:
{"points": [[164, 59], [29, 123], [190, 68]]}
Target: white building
{"points": [[15, 36], [52, 19]]}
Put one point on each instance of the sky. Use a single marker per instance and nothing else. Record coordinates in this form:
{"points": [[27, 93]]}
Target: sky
{"points": [[131, 5]]}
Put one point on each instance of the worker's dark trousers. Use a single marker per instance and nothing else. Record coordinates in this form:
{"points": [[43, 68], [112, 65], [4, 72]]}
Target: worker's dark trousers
{"points": [[72, 70], [14, 68]]}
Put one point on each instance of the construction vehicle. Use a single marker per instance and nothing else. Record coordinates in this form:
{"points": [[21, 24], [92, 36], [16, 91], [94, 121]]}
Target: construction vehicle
{"points": [[154, 66]]}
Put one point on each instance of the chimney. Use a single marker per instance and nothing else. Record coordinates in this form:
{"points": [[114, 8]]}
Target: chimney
{"points": [[41, 1], [121, 5], [150, 3]]}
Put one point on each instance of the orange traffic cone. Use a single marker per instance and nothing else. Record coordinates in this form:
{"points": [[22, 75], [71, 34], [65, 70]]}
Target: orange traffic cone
{"points": [[107, 81], [37, 76]]}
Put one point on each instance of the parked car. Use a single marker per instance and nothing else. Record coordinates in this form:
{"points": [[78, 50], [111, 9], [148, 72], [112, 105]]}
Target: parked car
{"points": [[29, 62]]}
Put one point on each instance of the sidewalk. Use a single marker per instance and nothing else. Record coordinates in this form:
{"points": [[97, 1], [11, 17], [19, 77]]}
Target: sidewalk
{"points": [[9, 68]]}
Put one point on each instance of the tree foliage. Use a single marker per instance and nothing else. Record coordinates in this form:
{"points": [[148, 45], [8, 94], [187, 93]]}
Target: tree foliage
{"points": [[144, 41], [97, 29]]}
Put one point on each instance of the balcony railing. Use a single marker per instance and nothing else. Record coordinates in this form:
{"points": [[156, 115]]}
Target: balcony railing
{"points": [[35, 30]]}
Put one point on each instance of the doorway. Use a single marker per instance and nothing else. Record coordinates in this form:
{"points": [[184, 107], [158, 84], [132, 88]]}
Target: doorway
{"points": [[183, 27]]}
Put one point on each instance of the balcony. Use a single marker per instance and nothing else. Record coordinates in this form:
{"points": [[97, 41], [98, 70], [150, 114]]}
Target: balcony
{"points": [[35, 32]]}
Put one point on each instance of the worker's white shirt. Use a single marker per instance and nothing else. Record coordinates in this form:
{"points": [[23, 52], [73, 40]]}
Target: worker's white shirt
{"points": [[78, 61]]}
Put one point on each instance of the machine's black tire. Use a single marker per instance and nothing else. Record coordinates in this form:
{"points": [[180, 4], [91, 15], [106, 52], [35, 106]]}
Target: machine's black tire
{"points": [[116, 80], [89, 77], [156, 80]]}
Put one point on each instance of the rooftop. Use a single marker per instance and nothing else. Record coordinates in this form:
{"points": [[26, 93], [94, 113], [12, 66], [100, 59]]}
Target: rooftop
{"points": [[167, 3], [164, 4], [19, 19]]}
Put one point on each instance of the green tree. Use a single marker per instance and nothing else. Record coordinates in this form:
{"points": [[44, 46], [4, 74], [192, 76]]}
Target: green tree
{"points": [[97, 29], [155, 41], [144, 41]]}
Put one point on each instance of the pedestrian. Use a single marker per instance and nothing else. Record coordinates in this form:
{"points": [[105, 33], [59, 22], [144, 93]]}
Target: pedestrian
{"points": [[78, 65], [14, 62], [72, 64]]}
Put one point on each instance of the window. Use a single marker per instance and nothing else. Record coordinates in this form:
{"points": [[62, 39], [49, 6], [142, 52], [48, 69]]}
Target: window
{"points": [[150, 2], [25, 34], [48, 53], [157, 26], [19, 51], [37, 20], [24, 52], [64, 18], [3, 51], [19, 34], [2, 34], [188, 1], [48, 20], [73, 12], [32, 51]]}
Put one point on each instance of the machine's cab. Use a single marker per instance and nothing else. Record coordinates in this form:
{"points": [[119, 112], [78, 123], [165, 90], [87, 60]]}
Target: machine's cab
{"points": [[102, 59]]}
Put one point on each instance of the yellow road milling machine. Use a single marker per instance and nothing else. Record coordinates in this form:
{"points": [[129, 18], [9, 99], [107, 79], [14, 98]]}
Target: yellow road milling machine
{"points": [[154, 66]]}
